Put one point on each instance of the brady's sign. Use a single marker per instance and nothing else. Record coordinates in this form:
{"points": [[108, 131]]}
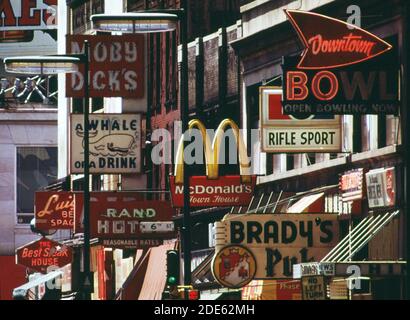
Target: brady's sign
{"points": [[118, 215], [295, 133], [43, 254], [54, 210], [331, 43], [278, 241], [212, 189], [328, 78], [115, 143], [381, 187], [28, 15], [351, 185], [116, 66]]}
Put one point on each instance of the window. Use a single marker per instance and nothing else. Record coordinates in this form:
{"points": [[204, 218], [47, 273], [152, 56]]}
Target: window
{"points": [[36, 168]]}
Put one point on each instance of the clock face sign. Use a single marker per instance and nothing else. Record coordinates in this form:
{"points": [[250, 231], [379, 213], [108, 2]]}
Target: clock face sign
{"points": [[44, 254], [234, 266]]}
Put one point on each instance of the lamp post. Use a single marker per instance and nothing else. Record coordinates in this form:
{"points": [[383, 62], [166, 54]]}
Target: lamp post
{"points": [[150, 21], [51, 65]]}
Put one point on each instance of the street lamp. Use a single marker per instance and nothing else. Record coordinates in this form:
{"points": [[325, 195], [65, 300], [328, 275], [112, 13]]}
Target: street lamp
{"points": [[150, 21], [48, 65]]}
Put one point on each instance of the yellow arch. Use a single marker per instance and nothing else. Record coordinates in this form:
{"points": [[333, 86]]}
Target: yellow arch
{"points": [[212, 151]]}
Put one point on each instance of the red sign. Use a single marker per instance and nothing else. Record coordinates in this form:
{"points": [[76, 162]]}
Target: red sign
{"points": [[54, 210], [332, 43], [117, 215], [351, 185], [28, 15], [116, 66], [225, 191], [43, 254], [79, 212]]}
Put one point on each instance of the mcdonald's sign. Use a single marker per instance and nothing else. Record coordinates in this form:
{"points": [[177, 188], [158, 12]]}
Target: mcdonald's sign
{"points": [[212, 189]]}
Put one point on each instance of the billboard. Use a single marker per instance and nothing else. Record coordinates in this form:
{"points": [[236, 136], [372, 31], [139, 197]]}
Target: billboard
{"points": [[17, 15], [116, 66], [343, 70], [115, 143], [279, 241], [295, 132]]}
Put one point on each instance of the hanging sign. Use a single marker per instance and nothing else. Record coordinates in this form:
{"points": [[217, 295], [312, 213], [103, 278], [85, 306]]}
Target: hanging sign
{"points": [[343, 70], [331, 43], [234, 266], [43, 254], [54, 210], [212, 189], [279, 241], [117, 215], [116, 66], [114, 143], [296, 132], [351, 185], [381, 187], [314, 288], [28, 15]]}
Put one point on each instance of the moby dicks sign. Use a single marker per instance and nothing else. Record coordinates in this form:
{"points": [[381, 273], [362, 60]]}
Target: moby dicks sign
{"points": [[116, 66], [43, 254], [343, 70], [212, 189], [28, 15], [278, 241], [54, 210], [115, 143]]}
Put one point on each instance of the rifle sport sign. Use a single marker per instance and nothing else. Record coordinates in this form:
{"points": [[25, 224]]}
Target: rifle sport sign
{"points": [[115, 143]]}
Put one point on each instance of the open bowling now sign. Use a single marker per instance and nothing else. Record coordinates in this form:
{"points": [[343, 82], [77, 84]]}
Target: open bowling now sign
{"points": [[295, 133]]}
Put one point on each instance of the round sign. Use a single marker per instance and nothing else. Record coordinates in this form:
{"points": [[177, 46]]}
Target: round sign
{"points": [[234, 266]]}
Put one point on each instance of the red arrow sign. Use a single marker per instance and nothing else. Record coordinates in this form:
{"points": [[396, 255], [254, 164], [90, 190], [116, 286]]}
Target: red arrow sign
{"points": [[332, 43], [43, 254]]}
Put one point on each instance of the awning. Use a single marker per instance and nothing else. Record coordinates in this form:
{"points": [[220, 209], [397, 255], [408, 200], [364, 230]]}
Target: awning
{"points": [[311, 203], [358, 237], [148, 278], [272, 290]]}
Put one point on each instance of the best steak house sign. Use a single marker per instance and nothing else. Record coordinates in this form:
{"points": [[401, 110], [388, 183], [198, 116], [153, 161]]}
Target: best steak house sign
{"points": [[341, 70], [116, 66], [43, 254]]}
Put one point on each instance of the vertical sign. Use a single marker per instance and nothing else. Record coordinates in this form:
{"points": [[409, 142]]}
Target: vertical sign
{"points": [[381, 187], [116, 66]]}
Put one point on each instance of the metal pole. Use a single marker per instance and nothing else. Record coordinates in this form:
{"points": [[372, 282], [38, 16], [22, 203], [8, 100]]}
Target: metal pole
{"points": [[87, 280], [184, 118]]}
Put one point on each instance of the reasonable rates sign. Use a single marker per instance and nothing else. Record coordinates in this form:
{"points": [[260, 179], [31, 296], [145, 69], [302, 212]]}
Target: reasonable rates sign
{"points": [[43, 254], [224, 191], [116, 66], [117, 216]]}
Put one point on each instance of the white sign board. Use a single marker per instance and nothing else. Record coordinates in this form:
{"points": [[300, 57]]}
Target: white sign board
{"points": [[381, 187], [153, 227], [313, 269], [115, 143], [288, 133]]}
